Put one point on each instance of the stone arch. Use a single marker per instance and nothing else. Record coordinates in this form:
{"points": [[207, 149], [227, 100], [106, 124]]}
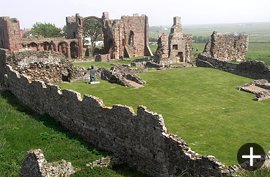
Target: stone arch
{"points": [[52, 46], [74, 52], [33, 46], [131, 38], [63, 48], [92, 17], [46, 45]]}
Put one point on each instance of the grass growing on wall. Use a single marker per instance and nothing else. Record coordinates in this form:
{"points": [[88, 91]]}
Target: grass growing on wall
{"points": [[201, 105], [22, 130]]}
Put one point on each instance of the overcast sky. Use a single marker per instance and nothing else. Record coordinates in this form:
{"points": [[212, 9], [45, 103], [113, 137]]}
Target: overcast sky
{"points": [[160, 12]]}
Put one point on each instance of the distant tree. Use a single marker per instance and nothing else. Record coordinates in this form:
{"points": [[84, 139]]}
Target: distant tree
{"points": [[200, 39], [46, 30], [92, 28], [153, 39], [27, 34], [64, 31]]}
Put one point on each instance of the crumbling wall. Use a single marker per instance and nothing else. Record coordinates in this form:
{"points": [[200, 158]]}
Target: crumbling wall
{"points": [[35, 165], [188, 46], [163, 47], [254, 69], [47, 66], [175, 48], [10, 33], [227, 47], [75, 31], [11, 39], [3, 56], [126, 37], [141, 139], [121, 75]]}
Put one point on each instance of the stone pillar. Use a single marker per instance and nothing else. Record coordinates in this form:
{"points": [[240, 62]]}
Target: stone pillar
{"points": [[176, 20], [68, 52]]}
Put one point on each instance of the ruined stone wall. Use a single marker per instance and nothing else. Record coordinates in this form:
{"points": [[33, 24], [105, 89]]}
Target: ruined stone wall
{"points": [[42, 65], [75, 31], [175, 48], [127, 37], [10, 33], [253, 69], [163, 47], [10, 38], [227, 47], [140, 139], [35, 165], [3, 56], [188, 46]]}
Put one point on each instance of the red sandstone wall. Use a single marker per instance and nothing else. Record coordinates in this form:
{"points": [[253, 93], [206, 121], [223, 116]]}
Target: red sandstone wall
{"points": [[10, 37]]}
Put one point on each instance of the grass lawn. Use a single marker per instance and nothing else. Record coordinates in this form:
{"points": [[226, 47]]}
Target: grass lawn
{"points": [[259, 51], [202, 105], [105, 64], [22, 130]]}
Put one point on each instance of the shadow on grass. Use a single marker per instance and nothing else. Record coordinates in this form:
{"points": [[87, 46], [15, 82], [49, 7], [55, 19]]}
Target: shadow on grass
{"points": [[46, 120], [51, 123]]}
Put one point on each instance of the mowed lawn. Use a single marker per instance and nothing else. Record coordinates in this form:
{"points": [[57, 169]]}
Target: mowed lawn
{"points": [[201, 105], [22, 130]]}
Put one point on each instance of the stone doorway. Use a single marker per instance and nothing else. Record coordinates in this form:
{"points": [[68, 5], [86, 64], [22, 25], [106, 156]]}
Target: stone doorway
{"points": [[74, 49], [180, 56]]}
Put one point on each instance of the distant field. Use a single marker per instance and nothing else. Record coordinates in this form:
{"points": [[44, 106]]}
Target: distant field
{"points": [[258, 32], [259, 51], [201, 105], [256, 51]]}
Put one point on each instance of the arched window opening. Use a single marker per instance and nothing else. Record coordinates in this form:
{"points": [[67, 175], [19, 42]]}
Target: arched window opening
{"points": [[131, 38]]}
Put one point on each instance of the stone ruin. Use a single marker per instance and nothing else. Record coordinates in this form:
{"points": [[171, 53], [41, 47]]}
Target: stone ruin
{"points": [[227, 47], [125, 37], [35, 165], [122, 75], [175, 48], [139, 139], [50, 67], [261, 88], [71, 47]]}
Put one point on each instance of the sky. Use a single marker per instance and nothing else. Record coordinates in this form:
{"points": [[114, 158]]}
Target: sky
{"points": [[159, 12]]}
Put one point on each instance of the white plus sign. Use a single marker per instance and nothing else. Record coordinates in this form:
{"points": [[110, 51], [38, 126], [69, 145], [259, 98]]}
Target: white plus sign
{"points": [[251, 156]]}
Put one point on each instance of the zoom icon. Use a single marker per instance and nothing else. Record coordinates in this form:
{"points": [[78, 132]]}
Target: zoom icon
{"points": [[251, 156]]}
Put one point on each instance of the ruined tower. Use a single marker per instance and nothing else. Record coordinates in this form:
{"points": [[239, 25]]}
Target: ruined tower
{"points": [[175, 48], [126, 37], [10, 37], [75, 31], [176, 41]]}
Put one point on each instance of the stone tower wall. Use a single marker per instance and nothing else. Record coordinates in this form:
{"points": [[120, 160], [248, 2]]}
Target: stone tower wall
{"points": [[10, 36]]}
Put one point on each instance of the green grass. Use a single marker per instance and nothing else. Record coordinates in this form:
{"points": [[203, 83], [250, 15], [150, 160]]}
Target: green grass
{"points": [[22, 130], [201, 105], [153, 48], [258, 173], [259, 51], [105, 64], [256, 51]]}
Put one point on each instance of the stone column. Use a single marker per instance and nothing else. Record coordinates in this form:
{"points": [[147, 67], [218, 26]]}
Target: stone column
{"points": [[68, 52]]}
